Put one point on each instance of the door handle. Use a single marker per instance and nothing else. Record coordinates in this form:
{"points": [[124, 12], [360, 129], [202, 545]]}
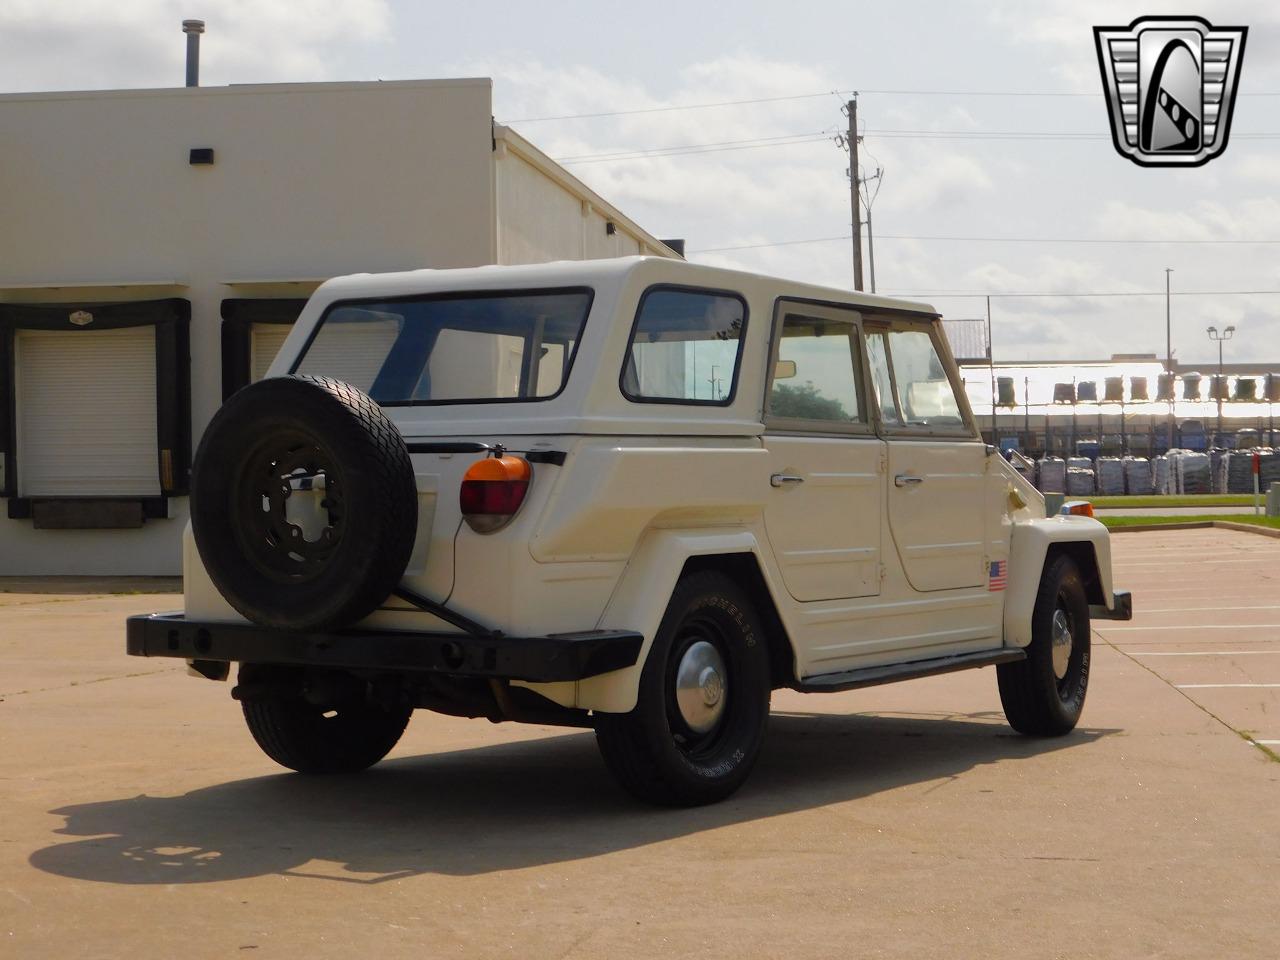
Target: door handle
{"points": [[906, 480], [782, 479]]}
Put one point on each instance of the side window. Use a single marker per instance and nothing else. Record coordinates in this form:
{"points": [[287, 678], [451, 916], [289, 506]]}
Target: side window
{"points": [[882, 380], [815, 375], [685, 347], [925, 394]]}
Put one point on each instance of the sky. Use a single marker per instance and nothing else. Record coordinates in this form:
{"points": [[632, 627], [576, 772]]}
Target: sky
{"points": [[948, 94]]}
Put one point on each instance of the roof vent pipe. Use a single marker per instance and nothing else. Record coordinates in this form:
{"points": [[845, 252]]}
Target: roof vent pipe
{"points": [[193, 29]]}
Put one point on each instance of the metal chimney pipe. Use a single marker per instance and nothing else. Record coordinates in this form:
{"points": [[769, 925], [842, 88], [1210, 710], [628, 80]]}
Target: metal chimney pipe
{"points": [[193, 29]]}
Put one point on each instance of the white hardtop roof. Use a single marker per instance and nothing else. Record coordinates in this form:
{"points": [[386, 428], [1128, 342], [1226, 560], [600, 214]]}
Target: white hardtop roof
{"points": [[606, 272]]}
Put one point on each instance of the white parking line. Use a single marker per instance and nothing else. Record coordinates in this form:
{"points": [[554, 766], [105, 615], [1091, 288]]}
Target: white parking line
{"points": [[1221, 686], [1203, 653], [1206, 626], [1223, 608], [1162, 563]]}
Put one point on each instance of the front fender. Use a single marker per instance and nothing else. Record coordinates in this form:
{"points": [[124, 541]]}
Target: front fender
{"points": [[1029, 546], [640, 600]]}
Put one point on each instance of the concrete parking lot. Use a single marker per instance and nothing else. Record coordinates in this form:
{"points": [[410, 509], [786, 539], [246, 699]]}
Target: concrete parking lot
{"points": [[138, 819]]}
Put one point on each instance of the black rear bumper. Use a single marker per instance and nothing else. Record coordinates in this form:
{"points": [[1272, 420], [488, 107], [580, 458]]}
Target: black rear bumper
{"points": [[558, 656]]}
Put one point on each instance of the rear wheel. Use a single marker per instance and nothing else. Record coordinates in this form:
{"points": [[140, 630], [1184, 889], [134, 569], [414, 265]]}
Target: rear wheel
{"points": [[703, 703], [344, 737], [1043, 695]]}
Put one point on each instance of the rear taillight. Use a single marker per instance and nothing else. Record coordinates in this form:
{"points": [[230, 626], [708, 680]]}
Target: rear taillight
{"points": [[492, 492]]}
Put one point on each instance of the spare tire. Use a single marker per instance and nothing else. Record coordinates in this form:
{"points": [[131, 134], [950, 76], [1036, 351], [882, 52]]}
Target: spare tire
{"points": [[303, 503]]}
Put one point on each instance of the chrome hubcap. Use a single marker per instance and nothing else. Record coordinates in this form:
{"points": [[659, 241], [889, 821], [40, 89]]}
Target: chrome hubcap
{"points": [[1061, 636], [700, 686]]}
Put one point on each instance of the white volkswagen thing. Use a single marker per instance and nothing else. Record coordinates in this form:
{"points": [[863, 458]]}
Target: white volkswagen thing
{"points": [[635, 495]]}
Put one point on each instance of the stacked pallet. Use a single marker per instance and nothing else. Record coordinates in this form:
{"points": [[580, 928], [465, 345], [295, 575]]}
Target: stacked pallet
{"points": [[1110, 476], [1080, 481], [1052, 475], [1191, 471], [1137, 475], [1161, 475]]}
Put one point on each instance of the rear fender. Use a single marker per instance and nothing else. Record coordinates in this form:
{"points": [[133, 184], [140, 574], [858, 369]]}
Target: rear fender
{"points": [[640, 600], [1083, 538]]}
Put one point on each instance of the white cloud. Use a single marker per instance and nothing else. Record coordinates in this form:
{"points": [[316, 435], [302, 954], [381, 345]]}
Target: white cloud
{"points": [[78, 44], [1244, 219]]}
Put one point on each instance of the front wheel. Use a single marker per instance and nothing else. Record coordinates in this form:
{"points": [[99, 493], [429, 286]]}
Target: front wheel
{"points": [[703, 702], [1043, 695]]}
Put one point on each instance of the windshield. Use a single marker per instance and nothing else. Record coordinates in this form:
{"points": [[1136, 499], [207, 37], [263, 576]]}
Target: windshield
{"points": [[451, 348]]}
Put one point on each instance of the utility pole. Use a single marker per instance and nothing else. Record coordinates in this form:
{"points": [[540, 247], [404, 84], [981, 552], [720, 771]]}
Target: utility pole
{"points": [[851, 108], [871, 251], [1168, 346], [871, 243]]}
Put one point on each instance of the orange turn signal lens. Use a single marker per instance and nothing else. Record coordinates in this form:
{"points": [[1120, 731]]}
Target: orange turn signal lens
{"points": [[493, 490], [1077, 508]]}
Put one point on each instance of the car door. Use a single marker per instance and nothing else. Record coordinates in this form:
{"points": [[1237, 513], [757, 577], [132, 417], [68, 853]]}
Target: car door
{"points": [[823, 516], [937, 463]]}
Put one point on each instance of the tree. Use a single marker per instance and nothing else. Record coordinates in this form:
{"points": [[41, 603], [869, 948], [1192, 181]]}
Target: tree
{"points": [[805, 402]]}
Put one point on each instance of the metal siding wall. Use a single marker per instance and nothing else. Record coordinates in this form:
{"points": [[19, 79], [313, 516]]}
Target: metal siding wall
{"points": [[538, 220], [310, 180], [87, 413], [600, 245]]}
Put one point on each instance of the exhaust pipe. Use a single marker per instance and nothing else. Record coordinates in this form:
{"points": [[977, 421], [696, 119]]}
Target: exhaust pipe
{"points": [[193, 29]]}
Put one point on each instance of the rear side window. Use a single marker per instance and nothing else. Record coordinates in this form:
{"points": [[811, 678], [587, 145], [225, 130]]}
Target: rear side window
{"points": [[452, 348], [685, 347]]}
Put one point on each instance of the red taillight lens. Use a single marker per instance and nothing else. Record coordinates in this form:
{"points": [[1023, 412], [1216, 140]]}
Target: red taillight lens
{"points": [[492, 492]]}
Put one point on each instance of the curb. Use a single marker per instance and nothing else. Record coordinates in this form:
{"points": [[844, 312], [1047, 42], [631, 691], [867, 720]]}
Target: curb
{"points": [[1198, 525]]}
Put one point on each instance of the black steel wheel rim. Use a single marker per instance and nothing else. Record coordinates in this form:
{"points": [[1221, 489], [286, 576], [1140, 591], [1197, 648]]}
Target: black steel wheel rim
{"points": [[283, 467]]}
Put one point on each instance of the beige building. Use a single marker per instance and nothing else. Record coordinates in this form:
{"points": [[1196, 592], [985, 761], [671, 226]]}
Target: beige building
{"points": [[156, 245]]}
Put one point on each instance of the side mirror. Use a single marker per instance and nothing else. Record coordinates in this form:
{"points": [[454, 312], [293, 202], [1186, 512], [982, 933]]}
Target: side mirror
{"points": [[784, 370]]}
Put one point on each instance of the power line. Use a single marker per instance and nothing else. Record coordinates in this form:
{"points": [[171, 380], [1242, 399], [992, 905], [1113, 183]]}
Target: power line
{"points": [[718, 143], [956, 239], [1068, 296], [693, 148], [786, 140], [670, 108]]}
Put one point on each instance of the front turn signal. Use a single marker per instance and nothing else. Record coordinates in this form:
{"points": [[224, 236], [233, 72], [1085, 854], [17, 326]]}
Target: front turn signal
{"points": [[1077, 508], [493, 490]]}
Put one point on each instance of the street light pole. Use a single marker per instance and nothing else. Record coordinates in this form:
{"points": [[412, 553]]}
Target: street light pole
{"points": [[1220, 384], [1168, 346], [991, 369]]}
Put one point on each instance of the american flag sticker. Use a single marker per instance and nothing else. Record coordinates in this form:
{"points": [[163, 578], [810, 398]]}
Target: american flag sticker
{"points": [[998, 578]]}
